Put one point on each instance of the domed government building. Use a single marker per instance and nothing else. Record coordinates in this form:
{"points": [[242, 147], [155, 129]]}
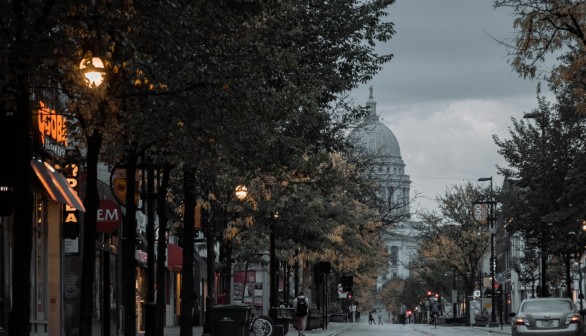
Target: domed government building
{"points": [[380, 146]]}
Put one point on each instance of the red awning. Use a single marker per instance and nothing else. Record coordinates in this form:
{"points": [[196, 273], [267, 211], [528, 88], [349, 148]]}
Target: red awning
{"points": [[56, 185], [174, 258]]}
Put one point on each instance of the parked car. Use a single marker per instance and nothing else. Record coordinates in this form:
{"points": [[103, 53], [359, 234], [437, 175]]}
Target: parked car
{"points": [[547, 316]]}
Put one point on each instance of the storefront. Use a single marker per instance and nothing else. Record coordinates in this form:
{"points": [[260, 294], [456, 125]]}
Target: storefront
{"points": [[55, 203]]}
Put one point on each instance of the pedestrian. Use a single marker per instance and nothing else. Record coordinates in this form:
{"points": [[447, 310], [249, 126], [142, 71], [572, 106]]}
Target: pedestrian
{"points": [[435, 311], [301, 308], [380, 318], [370, 318]]}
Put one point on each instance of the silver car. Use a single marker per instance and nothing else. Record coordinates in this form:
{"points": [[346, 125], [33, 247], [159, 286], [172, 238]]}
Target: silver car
{"points": [[547, 316]]}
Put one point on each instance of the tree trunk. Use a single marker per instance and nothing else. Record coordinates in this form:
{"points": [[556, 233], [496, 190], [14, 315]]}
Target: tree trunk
{"points": [[544, 287], [19, 319], [91, 203], [150, 322], [188, 240], [228, 289], [129, 248], [211, 272], [162, 250], [569, 281]]}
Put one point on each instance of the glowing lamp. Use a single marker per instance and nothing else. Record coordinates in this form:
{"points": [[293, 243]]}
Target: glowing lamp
{"points": [[93, 71]]}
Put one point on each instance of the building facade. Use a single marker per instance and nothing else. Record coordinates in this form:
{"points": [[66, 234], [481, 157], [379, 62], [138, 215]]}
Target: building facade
{"points": [[380, 145], [57, 182]]}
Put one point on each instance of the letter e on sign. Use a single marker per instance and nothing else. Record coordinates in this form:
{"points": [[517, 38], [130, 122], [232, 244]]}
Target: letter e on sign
{"points": [[108, 217]]}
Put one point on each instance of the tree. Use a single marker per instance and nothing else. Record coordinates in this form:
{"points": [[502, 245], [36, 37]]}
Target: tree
{"points": [[215, 69], [403, 292], [451, 240], [541, 160], [555, 28]]}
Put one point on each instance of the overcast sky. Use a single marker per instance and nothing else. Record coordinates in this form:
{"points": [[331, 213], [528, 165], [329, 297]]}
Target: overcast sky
{"points": [[447, 90]]}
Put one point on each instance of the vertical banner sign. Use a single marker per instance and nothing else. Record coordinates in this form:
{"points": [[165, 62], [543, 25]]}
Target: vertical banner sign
{"points": [[480, 213], [70, 214]]}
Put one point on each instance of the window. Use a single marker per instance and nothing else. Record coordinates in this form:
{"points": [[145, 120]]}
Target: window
{"points": [[394, 256]]}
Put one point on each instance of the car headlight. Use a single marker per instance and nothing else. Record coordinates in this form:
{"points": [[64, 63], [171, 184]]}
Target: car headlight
{"points": [[521, 321]]}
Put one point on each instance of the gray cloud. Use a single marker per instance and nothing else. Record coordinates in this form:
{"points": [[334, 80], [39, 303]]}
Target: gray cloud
{"points": [[448, 89]]}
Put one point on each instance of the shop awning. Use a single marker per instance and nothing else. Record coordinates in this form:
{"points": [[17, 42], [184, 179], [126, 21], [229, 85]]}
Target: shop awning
{"points": [[56, 185], [174, 258]]}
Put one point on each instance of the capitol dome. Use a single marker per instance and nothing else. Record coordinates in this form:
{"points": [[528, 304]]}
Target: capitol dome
{"points": [[375, 137]]}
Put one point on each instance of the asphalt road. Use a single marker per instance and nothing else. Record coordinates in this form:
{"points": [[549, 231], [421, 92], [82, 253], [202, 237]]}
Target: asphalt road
{"points": [[364, 329]]}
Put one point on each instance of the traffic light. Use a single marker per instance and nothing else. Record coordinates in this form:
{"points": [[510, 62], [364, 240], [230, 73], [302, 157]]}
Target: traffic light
{"points": [[347, 283]]}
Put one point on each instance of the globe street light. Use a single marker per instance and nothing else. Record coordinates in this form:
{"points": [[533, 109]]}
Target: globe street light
{"points": [[241, 192], [93, 71]]}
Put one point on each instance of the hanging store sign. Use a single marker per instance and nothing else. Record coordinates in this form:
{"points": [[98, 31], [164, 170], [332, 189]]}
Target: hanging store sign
{"points": [[71, 214], [480, 213], [52, 127], [109, 217]]}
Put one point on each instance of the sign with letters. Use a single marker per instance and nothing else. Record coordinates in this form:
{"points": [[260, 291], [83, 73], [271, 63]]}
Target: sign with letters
{"points": [[480, 213], [109, 217]]}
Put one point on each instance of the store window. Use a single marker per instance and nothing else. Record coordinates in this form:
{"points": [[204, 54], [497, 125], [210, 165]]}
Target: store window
{"points": [[39, 256]]}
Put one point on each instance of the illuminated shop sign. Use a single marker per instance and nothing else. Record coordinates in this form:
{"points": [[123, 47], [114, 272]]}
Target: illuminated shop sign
{"points": [[52, 127], [71, 214]]}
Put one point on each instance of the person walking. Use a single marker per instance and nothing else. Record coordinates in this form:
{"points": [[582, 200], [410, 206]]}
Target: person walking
{"points": [[301, 308], [370, 318], [380, 318]]}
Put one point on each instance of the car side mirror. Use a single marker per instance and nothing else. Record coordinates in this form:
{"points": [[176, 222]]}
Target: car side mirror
{"points": [[512, 314]]}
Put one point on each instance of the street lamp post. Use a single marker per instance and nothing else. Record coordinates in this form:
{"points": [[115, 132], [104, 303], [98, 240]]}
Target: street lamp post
{"points": [[491, 220], [296, 275], [273, 269], [541, 119], [94, 74], [454, 294]]}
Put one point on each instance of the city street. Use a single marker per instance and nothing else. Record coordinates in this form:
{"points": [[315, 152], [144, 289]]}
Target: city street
{"points": [[364, 329]]}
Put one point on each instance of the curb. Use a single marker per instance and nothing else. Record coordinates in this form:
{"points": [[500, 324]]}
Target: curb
{"points": [[494, 330], [341, 330]]}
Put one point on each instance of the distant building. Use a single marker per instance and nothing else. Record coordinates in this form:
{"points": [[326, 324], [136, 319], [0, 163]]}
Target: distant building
{"points": [[381, 145]]}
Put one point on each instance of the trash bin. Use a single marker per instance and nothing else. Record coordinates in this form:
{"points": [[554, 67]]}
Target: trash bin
{"points": [[230, 320], [285, 317]]}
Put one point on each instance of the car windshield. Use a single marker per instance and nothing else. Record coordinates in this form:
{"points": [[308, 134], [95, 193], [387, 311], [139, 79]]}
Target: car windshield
{"points": [[546, 306]]}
